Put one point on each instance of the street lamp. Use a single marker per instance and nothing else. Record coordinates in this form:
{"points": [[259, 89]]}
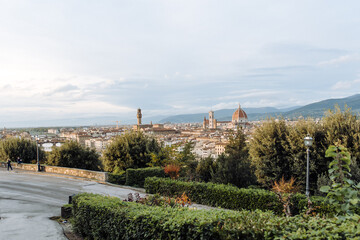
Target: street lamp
{"points": [[37, 153], [308, 143]]}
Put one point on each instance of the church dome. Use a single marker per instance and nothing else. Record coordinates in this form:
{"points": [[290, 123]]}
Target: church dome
{"points": [[239, 115]]}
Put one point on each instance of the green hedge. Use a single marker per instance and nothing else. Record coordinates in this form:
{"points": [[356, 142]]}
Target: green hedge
{"points": [[230, 197], [119, 179], [216, 195], [100, 217], [136, 177]]}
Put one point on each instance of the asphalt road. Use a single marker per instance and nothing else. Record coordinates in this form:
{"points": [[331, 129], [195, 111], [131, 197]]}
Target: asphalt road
{"points": [[27, 201]]}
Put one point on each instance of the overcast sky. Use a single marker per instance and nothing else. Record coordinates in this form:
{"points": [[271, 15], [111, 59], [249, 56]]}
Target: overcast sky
{"points": [[85, 58]]}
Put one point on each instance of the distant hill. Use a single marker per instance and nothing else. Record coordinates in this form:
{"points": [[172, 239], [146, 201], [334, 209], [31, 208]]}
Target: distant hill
{"points": [[226, 115], [315, 110]]}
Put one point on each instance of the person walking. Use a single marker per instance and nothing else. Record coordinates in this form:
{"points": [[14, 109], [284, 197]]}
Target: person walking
{"points": [[9, 164]]}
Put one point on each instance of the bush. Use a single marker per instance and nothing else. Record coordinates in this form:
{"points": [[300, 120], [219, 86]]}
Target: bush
{"points": [[299, 204], [216, 195], [119, 179], [230, 197], [172, 170], [100, 217], [136, 177]]}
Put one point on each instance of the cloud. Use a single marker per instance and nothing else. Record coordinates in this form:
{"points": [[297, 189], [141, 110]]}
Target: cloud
{"points": [[252, 93], [263, 75], [346, 84], [283, 68], [340, 60], [63, 89], [225, 105]]}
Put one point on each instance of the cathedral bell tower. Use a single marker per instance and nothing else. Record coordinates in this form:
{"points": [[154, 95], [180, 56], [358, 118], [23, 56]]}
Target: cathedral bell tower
{"points": [[211, 120]]}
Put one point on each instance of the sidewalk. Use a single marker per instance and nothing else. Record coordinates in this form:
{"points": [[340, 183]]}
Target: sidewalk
{"points": [[22, 171]]}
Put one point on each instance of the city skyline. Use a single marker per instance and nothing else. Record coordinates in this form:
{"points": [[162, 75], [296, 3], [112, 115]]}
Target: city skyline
{"points": [[90, 59]]}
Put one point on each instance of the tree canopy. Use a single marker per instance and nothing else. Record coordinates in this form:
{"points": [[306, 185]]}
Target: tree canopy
{"points": [[17, 147], [131, 150], [277, 149], [234, 166], [72, 154]]}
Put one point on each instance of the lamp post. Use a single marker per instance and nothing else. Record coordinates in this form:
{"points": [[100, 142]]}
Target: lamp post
{"points": [[308, 143], [37, 153]]}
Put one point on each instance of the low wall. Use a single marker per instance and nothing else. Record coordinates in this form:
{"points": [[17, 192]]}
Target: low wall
{"points": [[101, 176]]}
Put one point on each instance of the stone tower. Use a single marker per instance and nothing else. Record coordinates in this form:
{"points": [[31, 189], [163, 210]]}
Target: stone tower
{"points": [[139, 116], [211, 120]]}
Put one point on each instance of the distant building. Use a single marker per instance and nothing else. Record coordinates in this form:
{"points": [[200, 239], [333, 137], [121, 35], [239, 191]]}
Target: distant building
{"points": [[155, 129], [239, 118], [53, 130], [220, 148], [139, 116]]}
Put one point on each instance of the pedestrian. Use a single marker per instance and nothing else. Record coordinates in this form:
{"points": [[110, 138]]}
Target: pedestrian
{"points": [[9, 164], [19, 161]]}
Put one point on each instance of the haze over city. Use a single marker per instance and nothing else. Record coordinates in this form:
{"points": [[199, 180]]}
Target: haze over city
{"points": [[72, 59]]}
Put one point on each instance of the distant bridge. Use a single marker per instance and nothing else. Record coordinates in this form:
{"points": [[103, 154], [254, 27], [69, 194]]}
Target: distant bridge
{"points": [[47, 144]]}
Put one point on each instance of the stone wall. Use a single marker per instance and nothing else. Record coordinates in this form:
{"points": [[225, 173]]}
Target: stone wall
{"points": [[100, 176]]}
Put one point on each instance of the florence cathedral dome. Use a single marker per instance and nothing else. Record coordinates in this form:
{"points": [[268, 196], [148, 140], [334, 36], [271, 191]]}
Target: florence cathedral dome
{"points": [[239, 116]]}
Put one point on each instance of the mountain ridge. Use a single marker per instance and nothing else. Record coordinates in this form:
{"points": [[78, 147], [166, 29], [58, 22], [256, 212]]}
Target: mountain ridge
{"points": [[315, 110]]}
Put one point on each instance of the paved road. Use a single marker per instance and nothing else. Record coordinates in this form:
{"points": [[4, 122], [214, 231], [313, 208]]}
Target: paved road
{"points": [[28, 200]]}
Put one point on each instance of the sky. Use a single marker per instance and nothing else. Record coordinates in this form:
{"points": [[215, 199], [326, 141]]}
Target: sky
{"points": [[87, 58]]}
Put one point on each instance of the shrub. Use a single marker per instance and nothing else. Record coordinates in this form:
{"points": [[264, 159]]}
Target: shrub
{"points": [[285, 191], [299, 204], [230, 197], [343, 193], [136, 177], [100, 217], [119, 179], [172, 170], [216, 195]]}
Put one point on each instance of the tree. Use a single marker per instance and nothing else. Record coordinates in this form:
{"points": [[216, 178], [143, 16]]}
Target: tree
{"points": [[186, 155], [72, 154], [18, 147], [165, 156], [269, 152], [234, 166], [131, 150], [206, 169], [187, 160], [343, 127], [277, 150], [297, 151]]}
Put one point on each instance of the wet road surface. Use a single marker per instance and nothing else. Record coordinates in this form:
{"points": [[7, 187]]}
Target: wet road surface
{"points": [[27, 201]]}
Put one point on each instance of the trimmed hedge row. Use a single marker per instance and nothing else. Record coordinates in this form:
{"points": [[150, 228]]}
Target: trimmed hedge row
{"points": [[230, 197], [136, 177], [100, 217], [216, 195], [119, 179]]}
